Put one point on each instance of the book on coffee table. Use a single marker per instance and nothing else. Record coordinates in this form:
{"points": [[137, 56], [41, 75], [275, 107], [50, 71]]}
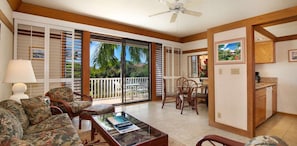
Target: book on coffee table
{"points": [[121, 124]]}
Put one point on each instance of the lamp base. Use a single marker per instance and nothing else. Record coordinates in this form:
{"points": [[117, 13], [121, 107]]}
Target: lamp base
{"points": [[18, 90], [18, 97]]}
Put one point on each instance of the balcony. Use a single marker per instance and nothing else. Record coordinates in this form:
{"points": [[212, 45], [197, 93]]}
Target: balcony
{"points": [[109, 90]]}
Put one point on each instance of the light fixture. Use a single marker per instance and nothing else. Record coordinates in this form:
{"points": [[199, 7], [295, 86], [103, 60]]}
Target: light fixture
{"points": [[19, 72]]}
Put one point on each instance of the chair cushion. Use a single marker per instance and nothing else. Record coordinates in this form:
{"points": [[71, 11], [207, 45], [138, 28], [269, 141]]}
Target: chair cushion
{"points": [[18, 111], [62, 93], [77, 106], [9, 124], [37, 108]]}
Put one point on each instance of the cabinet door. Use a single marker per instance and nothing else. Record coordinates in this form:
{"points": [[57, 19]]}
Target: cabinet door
{"points": [[264, 52], [260, 106]]}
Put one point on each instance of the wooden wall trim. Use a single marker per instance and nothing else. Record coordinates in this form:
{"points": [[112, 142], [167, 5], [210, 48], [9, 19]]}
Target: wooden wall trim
{"points": [[62, 15], [14, 4], [194, 51], [194, 37], [5, 20], [153, 73], [250, 55], [86, 36]]}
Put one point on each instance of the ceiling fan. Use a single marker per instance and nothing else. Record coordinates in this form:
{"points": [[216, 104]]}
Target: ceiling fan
{"points": [[177, 7]]}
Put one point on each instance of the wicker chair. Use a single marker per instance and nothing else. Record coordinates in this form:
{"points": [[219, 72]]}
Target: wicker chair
{"points": [[70, 102]]}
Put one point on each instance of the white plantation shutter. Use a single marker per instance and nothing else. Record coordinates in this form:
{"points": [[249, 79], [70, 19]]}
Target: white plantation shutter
{"points": [[53, 60], [159, 73]]}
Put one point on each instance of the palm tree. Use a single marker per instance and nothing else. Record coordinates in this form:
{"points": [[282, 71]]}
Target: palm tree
{"points": [[104, 56]]}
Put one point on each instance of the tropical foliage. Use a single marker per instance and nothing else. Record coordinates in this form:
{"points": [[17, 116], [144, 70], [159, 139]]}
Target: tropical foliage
{"points": [[106, 64]]}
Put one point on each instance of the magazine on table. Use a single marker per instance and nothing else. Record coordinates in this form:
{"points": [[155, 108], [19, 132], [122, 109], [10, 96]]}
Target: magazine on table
{"points": [[122, 124]]}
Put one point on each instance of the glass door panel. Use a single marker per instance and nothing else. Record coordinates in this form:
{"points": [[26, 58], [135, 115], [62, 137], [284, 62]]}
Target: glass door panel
{"points": [[105, 70], [136, 73]]}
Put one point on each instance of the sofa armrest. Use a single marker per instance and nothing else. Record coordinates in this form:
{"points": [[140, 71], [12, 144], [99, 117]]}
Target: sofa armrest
{"points": [[219, 139], [55, 110]]}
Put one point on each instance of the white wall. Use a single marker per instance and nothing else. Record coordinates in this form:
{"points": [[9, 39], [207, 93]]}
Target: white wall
{"points": [[231, 89], [286, 74], [6, 47]]}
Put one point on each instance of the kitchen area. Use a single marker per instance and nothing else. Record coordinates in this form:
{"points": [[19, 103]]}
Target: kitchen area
{"points": [[275, 72]]}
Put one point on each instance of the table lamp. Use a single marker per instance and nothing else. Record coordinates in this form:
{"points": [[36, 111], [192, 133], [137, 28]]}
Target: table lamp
{"points": [[19, 72]]}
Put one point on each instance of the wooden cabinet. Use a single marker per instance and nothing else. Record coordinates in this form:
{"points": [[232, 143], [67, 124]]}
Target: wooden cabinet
{"points": [[265, 103], [260, 106], [264, 52]]}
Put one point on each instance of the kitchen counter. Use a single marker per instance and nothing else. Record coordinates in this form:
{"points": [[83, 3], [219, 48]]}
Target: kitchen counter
{"points": [[263, 85]]}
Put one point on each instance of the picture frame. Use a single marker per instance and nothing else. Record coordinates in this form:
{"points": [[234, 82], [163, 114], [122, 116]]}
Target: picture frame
{"points": [[36, 53], [230, 51], [292, 55]]}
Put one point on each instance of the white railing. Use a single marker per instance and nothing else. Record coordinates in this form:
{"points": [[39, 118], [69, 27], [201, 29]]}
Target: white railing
{"points": [[105, 88]]}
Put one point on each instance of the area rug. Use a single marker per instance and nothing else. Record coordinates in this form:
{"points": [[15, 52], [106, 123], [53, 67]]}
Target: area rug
{"points": [[85, 137]]}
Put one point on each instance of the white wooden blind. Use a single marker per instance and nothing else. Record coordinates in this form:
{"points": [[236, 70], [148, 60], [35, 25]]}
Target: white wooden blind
{"points": [[51, 51]]}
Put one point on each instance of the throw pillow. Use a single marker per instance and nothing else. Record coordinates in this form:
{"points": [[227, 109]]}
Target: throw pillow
{"points": [[9, 124], [37, 108], [18, 111]]}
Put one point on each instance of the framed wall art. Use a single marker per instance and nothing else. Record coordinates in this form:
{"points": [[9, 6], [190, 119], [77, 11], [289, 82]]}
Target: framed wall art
{"points": [[292, 55], [230, 51], [36, 53]]}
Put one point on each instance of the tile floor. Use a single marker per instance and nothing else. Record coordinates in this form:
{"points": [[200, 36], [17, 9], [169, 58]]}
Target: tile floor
{"points": [[189, 127]]}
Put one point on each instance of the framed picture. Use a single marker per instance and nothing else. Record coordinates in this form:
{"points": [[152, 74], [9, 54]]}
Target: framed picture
{"points": [[36, 53], [292, 55], [230, 51]]}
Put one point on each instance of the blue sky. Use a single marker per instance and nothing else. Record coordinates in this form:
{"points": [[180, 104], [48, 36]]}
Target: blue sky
{"points": [[230, 46]]}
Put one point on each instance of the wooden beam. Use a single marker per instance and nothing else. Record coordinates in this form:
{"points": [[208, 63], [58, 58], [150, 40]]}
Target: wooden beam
{"points": [[266, 33], [199, 36], [195, 51], [282, 21], [286, 38], [14, 4], [5, 20], [62, 15]]}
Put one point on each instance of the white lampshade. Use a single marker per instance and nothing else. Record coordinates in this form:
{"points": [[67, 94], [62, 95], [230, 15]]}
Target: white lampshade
{"points": [[19, 72]]}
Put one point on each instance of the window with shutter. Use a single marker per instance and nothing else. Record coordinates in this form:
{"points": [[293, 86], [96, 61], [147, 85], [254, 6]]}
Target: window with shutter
{"points": [[55, 60]]}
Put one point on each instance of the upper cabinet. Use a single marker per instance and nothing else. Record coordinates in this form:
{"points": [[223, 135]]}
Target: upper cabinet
{"points": [[264, 52]]}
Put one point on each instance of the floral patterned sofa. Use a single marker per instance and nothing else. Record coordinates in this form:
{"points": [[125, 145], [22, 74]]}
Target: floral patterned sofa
{"points": [[32, 123]]}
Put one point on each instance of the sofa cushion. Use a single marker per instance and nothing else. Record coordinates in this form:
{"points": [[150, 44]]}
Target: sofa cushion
{"points": [[53, 122], [62, 93], [18, 111], [9, 124], [6, 140], [64, 136], [37, 108]]}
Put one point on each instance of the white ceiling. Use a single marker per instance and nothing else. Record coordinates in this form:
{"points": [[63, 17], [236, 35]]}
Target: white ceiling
{"points": [[136, 12]]}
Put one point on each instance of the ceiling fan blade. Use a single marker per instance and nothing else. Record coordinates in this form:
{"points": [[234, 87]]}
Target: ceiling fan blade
{"points": [[194, 13], [173, 17], [159, 13]]}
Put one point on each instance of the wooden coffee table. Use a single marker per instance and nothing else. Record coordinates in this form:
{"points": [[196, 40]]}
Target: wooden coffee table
{"points": [[145, 136]]}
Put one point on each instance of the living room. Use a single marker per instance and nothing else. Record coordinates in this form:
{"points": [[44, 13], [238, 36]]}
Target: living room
{"points": [[242, 124]]}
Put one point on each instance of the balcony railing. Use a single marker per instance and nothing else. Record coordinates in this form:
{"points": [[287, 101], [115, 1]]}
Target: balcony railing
{"points": [[108, 88]]}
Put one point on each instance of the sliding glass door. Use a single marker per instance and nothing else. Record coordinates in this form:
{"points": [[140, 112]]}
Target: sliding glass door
{"points": [[119, 69]]}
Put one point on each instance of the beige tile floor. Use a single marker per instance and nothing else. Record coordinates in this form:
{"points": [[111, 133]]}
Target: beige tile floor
{"points": [[189, 127]]}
